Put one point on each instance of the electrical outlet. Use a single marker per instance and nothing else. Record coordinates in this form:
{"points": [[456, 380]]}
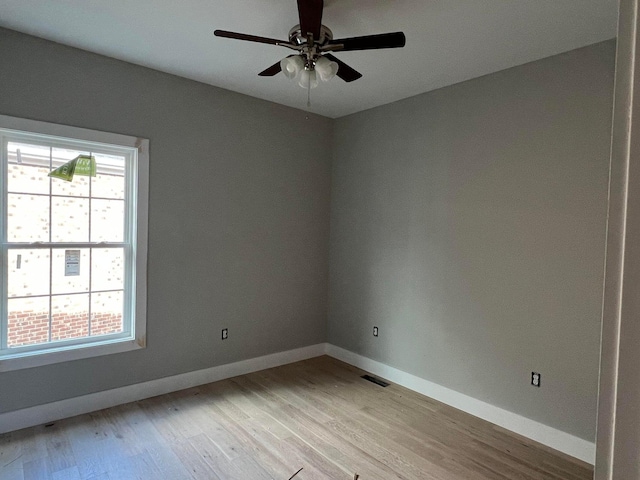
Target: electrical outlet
{"points": [[375, 331], [225, 333], [535, 379]]}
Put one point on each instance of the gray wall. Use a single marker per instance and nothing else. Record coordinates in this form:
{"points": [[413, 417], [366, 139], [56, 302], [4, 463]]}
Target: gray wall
{"points": [[238, 213], [468, 224]]}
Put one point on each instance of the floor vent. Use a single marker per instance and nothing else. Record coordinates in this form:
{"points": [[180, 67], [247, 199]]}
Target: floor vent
{"points": [[375, 380]]}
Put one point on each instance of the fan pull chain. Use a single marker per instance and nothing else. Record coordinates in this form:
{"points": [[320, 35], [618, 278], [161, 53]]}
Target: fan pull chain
{"points": [[309, 94]]}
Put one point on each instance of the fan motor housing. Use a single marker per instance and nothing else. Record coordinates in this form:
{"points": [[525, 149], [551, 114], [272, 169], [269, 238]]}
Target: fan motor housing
{"points": [[297, 38]]}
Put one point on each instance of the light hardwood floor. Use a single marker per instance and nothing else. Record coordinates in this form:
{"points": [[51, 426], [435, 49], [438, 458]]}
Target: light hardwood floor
{"points": [[318, 415]]}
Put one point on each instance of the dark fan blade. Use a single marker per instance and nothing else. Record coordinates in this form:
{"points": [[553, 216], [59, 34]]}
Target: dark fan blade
{"points": [[370, 42], [345, 72], [271, 71], [310, 13], [250, 38]]}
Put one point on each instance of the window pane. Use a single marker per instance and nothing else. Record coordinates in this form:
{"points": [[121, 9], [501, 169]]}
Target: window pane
{"points": [[28, 321], [107, 269], [64, 286], [107, 220], [28, 218], [109, 179], [79, 186], [70, 219], [69, 316], [28, 272], [70, 272], [28, 168], [106, 313]]}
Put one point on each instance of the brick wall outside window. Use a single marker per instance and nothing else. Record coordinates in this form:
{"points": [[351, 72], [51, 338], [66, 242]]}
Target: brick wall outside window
{"points": [[29, 327]]}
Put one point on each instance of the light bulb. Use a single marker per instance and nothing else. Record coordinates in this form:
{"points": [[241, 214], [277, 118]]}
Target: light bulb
{"points": [[291, 66], [308, 77], [326, 69]]}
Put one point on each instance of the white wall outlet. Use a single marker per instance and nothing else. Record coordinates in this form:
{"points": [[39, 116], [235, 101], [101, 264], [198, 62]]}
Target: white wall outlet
{"points": [[225, 333], [535, 379], [375, 331]]}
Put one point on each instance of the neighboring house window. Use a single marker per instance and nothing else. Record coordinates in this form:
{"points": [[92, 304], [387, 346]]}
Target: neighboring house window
{"points": [[73, 253]]}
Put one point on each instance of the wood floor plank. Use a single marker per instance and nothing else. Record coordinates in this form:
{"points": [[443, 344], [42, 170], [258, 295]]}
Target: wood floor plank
{"points": [[59, 449], [72, 473], [12, 455], [167, 462], [193, 461], [259, 443], [37, 469], [318, 415], [12, 472]]}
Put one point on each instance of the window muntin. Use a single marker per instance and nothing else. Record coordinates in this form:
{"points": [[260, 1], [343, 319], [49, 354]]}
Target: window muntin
{"points": [[48, 222]]}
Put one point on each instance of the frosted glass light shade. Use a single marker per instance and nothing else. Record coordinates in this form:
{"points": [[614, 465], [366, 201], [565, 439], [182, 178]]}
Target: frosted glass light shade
{"points": [[326, 69], [308, 77], [291, 66]]}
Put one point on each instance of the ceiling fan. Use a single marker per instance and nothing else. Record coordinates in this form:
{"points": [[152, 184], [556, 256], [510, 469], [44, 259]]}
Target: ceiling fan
{"points": [[314, 43]]}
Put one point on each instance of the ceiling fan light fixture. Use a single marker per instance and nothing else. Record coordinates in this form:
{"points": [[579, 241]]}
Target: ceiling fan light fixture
{"points": [[292, 66], [314, 45], [326, 69], [308, 79]]}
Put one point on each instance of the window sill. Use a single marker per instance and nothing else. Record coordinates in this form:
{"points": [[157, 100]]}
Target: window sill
{"points": [[39, 359]]}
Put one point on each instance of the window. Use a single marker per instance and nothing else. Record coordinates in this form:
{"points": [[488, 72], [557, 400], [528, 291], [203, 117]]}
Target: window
{"points": [[73, 253]]}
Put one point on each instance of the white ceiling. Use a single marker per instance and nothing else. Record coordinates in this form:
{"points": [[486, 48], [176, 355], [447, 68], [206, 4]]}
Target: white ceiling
{"points": [[448, 41]]}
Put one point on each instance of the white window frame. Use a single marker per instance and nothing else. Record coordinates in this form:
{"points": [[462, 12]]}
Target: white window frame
{"points": [[134, 336]]}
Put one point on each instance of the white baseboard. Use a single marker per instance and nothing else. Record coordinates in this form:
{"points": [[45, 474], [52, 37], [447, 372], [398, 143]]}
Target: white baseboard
{"points": [[29, 417], [551, 437]]}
